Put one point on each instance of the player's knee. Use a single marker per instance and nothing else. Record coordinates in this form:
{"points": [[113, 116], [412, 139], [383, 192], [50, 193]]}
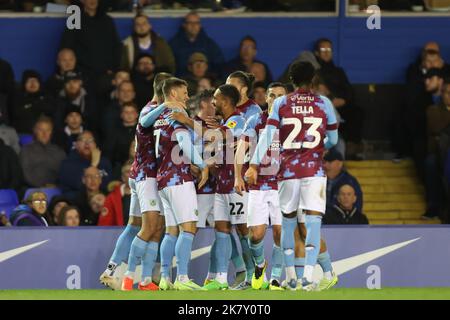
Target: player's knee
{"points": [[257, 235], [222, 226], [290, 215], [276, 235]]}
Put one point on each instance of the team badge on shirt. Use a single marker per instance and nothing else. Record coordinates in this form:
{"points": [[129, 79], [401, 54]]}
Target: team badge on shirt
{"points": [[153, 203], [231, 124]]}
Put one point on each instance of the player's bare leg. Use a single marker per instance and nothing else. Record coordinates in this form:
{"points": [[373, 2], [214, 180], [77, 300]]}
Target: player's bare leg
{"points": [[121, 251]]}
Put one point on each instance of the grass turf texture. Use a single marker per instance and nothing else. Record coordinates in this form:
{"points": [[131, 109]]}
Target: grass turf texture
{"points": [[333, 294]]}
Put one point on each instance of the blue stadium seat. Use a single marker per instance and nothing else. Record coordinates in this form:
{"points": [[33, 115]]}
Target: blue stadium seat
{"points": [[8, 201], [25, 139], [50, 192]]}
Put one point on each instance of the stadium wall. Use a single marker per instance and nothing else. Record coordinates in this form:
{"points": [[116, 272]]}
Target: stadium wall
{"points": [[368, 56], [365, 257]]}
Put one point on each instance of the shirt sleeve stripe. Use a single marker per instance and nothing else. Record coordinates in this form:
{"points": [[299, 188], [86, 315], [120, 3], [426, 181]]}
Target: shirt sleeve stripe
{"points": [[273, 122], [333, 126]]}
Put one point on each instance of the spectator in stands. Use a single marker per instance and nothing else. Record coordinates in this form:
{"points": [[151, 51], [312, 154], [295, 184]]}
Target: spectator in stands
{"points": [[8, 134], [118, 145], [192, 38], [434, 79], [205, 84], [259, 94], [4, 222], [65, 62], [30, 103], [337, 176], [341, 95], [111, 116], [55, 206], [75, 94], [67, 137], [69, 217], [96, 45], [120, 76], [6, 90], [41, 159], [86, 154], [142, 78], [146, 41], [259, 71], [438, 120], [91, 180], [246, 59], [345, 211], [198, 69], [11, 176], [117, 204], [304, 56], [33, 213]]}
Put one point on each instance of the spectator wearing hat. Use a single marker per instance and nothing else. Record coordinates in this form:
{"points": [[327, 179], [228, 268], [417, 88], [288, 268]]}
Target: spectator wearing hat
{"points": [[245, 60], [345, 210], [41, 159], [73, 95], [197, 70], [8, 134], [117, 204], [66, 61], [190, 38], [85, 154], [6, 90], [145, 40], [67, 136], [117, 146], [30, 103], [142, 78], [337, 176]]}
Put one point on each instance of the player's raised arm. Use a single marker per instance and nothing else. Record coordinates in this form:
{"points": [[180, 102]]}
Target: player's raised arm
{"points": [[148, 117]]}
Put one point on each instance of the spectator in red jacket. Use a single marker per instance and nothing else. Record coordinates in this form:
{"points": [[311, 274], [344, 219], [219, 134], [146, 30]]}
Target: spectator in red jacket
{"points": [[117, 204]]}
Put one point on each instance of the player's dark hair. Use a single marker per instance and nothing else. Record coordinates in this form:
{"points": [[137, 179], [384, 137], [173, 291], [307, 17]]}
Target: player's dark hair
{"points": [[245, 78], [231, 93], [158, 83], [247, 38], [171, 83], [259, 84], [319, 42], [277, 84], [205, 95], [301, 73]]}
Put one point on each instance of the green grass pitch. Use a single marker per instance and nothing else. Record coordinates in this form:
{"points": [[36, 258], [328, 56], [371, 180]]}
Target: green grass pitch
{"points": [[333, 294]]}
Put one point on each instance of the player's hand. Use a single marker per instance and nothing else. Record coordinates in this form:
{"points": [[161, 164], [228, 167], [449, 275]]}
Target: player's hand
{"points": [[95, 157], [212, 123], [181, 117], [204, 177], [195, 171], [251, 175], [239, 186]]}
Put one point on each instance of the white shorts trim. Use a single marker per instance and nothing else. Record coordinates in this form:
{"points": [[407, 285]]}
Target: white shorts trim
{"points": [[179, 203], [231, 207], [303, 194], [144, 197], [263, 208]]}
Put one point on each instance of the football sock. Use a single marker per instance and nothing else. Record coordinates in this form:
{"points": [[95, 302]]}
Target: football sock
{"points": [[149, 259], [299, 267], [212, 268], [167, 253], [223, 251], [236, 257], [183, 250], [288, 241], [312, 244], [257, 250], [247, 256], [123, 244], [324, 261], [277, 263], [137, 252]]}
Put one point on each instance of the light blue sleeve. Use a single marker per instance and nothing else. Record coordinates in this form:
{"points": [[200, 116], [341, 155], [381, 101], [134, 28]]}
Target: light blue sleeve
{"points": [[332, 132], [274, 114], [250, 125], [235, 124], [149, 119], [265, 140], [185, 143], [332, 139]]}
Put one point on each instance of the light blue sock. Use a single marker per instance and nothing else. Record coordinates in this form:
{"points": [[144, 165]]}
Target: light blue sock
{"points": [[236, 257], [137, 252], [247, 256], [324, 261], [299, 267], [312, 243], [257, 250], [123, 244], [183, 250], [223, 251], [149, 260], [212, 268], [167, 252], [277, 263], [288, 241]]}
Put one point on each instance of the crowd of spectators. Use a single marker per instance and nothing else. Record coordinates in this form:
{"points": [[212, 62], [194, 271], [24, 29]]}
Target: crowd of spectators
{"points": [[82, 120]]}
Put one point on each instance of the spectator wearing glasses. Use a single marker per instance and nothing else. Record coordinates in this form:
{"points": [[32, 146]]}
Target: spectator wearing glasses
{"points": [[85, 154], [33, 213], [341, 95], [192, 38]]}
